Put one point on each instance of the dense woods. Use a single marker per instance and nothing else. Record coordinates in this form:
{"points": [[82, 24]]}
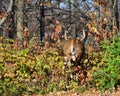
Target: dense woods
{"points": [[32, 33]]}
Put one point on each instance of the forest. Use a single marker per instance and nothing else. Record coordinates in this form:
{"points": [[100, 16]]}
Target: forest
{"points": [[39, 40]]}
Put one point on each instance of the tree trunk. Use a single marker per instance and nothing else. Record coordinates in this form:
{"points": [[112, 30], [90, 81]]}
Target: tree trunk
{"points": [[12, 31], [69, 8], [117, 14], [42, 20], [74, 13], [20, 18], [5, 30]]}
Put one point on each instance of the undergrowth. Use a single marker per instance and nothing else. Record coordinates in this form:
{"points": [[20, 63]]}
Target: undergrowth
{"points": [[31, 71], [106, 75], [35, 71]]}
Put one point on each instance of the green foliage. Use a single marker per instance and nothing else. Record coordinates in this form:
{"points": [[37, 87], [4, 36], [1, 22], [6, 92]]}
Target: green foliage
{"points": [[30, 71], [27, 72], [106, 76]]}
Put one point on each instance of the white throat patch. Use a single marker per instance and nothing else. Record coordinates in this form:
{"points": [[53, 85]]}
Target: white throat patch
{"points": [[73, 52]]}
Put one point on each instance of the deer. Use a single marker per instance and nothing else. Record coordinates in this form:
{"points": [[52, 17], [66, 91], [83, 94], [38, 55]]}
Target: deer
{"points": [[73, 49]]}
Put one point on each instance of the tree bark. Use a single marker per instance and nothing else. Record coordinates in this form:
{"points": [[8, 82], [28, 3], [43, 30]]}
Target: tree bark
{"points": [[7, 13], [74, 13], [117, 14], [12, 31], [20, 18], [42, 21]]}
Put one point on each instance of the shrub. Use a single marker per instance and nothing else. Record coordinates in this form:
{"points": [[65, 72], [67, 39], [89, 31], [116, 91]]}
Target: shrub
{"points": [[32, 72], [106, 75]]}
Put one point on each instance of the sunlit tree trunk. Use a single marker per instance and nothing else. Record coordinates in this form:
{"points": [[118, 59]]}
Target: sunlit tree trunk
{"points": [[20, 18]]}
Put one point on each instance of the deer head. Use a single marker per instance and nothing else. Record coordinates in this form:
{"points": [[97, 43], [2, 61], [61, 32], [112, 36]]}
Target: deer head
{"points": [[73, 49]]}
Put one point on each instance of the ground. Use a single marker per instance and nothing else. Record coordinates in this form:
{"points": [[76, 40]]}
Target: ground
{"points": [[83, 94], [86, 93]]}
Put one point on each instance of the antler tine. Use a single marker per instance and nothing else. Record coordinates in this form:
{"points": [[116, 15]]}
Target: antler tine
{"points": [[65, 35], [83, 36]]}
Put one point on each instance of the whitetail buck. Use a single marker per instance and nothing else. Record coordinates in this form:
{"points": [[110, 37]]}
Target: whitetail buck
{"points": [[73, 49]]}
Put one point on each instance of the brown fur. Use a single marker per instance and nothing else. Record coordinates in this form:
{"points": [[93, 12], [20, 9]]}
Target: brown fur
{"points": [[75, 43]]}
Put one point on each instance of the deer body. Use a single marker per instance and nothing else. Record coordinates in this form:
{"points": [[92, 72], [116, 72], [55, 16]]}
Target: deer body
{"points": [[73, 49]]}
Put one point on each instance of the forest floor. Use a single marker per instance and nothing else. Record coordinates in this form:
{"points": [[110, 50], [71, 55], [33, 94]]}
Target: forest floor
{"points": [[86, 93], [83, 94]]}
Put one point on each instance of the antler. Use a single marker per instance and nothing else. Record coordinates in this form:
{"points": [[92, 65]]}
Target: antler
{"points": [[83, 36], [65, 35]]}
